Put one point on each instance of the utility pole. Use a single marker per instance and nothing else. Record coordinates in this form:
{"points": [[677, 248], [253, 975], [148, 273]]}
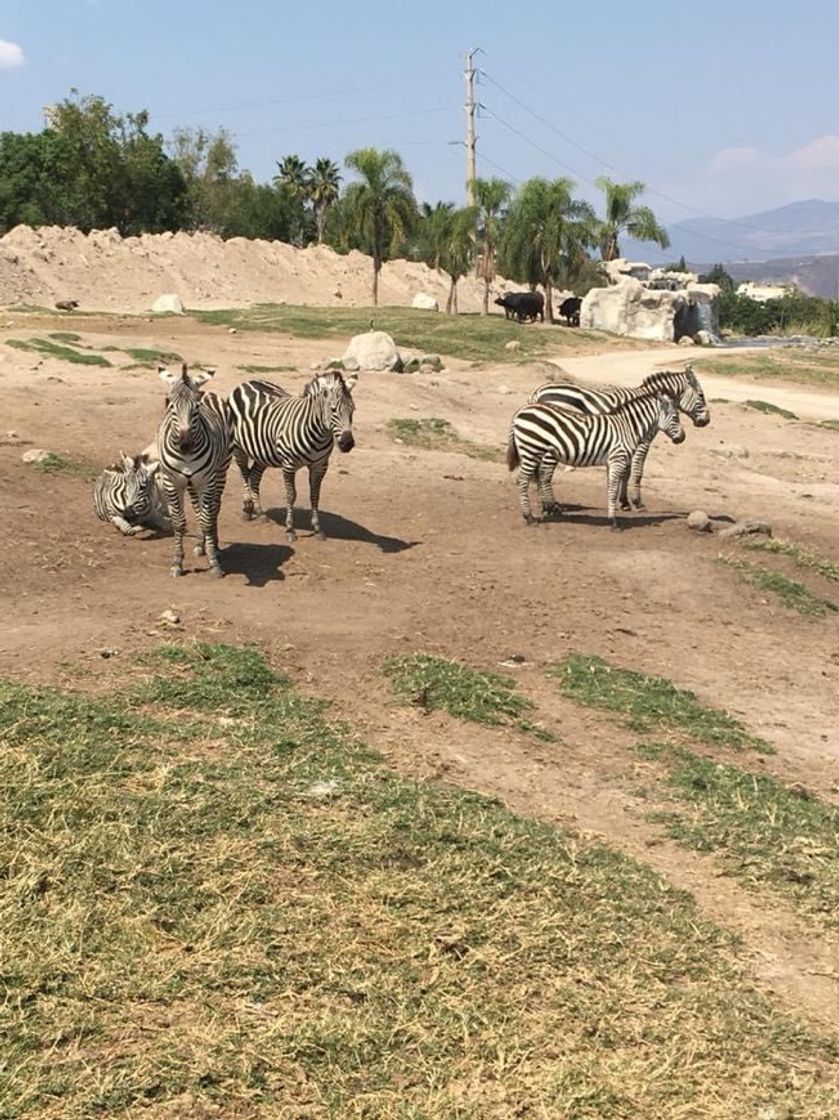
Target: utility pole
{"points": [[471, 140]]}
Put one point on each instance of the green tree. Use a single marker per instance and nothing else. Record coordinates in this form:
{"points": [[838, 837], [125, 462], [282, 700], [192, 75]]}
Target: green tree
{"points": [[623, 216], [433, 231], [718, 275], [209, 166], [491, 197], [381, 204], [546, 235], [458, 249], [323, 189]]}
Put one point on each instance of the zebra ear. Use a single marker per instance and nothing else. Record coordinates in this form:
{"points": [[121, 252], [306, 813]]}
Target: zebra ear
{"points": [[351, 381], [166, 375], [202, 377], [127, 461], [152, 468]]}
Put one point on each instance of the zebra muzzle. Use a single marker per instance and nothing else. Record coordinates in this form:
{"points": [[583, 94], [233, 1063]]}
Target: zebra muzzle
{"points": [[346, 441]]}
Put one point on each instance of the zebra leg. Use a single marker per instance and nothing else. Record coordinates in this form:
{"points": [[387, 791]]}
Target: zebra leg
{"points": [[617, 469], [527, 469], [200, 548], [317, 471], [125, 527], [176, 509], [250, 496], [632, 499], [290, 499], [208, 506], [545, 474]]}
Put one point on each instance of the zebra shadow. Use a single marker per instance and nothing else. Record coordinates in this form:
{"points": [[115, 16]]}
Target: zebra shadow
{"points": [[340, 528], [259, 563], [582, 515]]}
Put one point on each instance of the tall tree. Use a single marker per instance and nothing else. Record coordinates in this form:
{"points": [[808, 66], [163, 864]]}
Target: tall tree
{"points": [[458, 249], [491, 197], [433, 231], [546, 235], [209, 166], [381, 204], [622, 216], [323, 190]]}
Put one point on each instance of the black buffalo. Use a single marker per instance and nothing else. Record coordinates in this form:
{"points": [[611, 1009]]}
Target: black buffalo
{"points": [[569, 310], [523, 305]]}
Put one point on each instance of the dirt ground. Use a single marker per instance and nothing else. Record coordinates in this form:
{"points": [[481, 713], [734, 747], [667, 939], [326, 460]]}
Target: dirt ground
{"points": [[427, 551]]}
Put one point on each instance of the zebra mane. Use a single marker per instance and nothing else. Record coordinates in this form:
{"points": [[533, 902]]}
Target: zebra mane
{"points": [[669, 380]]}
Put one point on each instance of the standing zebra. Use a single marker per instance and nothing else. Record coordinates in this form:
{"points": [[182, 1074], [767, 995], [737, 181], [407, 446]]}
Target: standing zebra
{"points": [[542, 436], [127, 495], [684, 387], [194, 447], [273, 429]]}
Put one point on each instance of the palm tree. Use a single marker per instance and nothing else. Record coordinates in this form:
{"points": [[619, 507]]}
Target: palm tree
{"points": [[622, 217], [433, 233], [323, 188], [382, 204], [294, 174], [546, 235], [491, 196], [458, 249]]}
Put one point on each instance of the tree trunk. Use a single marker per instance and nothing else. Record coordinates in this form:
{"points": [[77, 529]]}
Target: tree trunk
{"points": [[320, 222], [485, 300], [549, 300], [610, 250], [377, 264], [450, 301]]}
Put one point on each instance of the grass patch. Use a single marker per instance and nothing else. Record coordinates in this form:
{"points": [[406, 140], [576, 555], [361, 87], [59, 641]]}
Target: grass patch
{"points": [[763, 833], [831, 425], [773, 409], [649, 704], [434, 434], [787, 364], [788, 591], [56, 463], [51, 349], [151, 357], [463, 692], [267, 369], [222, 903], [801, 557], [65, 336], [471, 337]]}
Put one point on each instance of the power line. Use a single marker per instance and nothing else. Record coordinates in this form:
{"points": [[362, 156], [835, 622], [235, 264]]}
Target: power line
{"points": [[340, 123]]}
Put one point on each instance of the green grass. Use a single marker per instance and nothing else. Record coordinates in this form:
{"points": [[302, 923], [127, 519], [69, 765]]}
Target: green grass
{"points": [[52, 349], [791, 364], [762, 832], [56, 463], [65, 336], [649, 704], [434, 434], [267, 369], [216, 901], [801, 557], [788, 591], [471, 337], [463, 692], [151, 357], [831, 425], [768, 407]]}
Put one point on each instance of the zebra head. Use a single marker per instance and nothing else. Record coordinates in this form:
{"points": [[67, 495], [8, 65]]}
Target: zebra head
{"points": [[668, 419], [335, 393], [691, 400], [137, 482], [183, 402]]}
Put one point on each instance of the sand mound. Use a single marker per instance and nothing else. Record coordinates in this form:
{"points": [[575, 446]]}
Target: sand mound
{"points": [[106, 272]]}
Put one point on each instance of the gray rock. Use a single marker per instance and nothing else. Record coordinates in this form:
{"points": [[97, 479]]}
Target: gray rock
{"points": [[374, 350], [513, 344], [170, 617], [168, 302], [703, 338], [733, 451], [35, 455], [351, 365], [425, 302], [699, 521], [412, 366], [433, 361], [686, 340], [747, 529]]}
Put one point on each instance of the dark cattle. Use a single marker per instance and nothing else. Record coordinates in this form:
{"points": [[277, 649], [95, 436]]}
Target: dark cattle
{"points": [[523, 305], [569, 310]]}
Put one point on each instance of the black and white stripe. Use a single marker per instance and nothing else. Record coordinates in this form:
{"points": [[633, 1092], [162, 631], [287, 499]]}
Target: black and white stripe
{"points": [[273, 429], [682, 386], [193, 443], [543, 436], [128, 495]]}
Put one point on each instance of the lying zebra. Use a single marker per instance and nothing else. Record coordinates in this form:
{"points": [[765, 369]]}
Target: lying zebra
{"points": [[684, 387], [128, 494], [273, 429], [543, 436]]}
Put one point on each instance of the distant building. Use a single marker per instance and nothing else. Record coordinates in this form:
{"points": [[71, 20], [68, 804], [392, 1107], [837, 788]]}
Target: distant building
{"points": [[760, 293]]}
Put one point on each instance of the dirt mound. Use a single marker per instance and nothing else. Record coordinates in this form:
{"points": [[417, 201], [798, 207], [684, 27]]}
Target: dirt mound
{"points": [[106, 272]]}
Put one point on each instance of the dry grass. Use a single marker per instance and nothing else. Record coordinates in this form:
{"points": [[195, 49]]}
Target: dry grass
{"points": [[788, 364], [790, 592], [434, 434], [216, 902]]}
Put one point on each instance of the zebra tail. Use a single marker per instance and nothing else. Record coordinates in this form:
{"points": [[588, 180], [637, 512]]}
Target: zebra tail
{"points": [[512, 452]]}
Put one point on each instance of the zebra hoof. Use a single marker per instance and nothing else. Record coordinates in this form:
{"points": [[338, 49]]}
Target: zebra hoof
{"points": [[216, 572], [551, 511], [176, 571], [625, 506], [290, 536], [319, 533], [615, 526], [638, 506], [198, 550]]}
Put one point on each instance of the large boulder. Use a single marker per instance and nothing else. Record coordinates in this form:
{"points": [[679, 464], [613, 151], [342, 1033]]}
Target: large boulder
{"points": [[630, 307], [424, 302], [170, 303], [374, 350]]}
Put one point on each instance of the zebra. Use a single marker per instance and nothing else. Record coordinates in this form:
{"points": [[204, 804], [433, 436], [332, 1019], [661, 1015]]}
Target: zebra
{"points": [[683, 386], [273, 429], [194, 447], [128, 494], [542, 436]]}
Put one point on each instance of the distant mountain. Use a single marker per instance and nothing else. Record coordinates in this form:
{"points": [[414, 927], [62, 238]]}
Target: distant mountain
{"points": [[801, 229], [818, 276]]}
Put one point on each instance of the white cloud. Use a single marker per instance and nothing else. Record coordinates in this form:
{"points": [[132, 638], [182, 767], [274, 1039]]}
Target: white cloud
{"points": [[739, 180], [11, 55]]}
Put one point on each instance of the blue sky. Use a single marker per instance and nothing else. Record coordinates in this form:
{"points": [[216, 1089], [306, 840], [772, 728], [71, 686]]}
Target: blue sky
{"points": [[721, 108]]}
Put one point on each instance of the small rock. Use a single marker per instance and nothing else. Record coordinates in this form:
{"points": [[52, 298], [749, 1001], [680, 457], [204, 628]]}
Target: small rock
{"points": [[11, 435], [686, 340], [35, 455], [513, 344], [232, 330], [747, 529], [325, 789], [338, 295], [703, 338], [733, 451], [168, 302], [108, 651], [170, 617], [411, 366], [425, 302], [351, 365], [67, 304], [433, 361], [699, 521]]}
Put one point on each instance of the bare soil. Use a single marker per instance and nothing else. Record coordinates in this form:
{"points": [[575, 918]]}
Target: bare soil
{"points": [[427, 551]]}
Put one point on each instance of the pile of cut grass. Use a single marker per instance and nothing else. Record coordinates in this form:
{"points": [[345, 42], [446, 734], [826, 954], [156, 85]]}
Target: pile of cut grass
{"points": [[52, 349], [649, 704], [57, 463], [434, 434], [800, 556], [770, 409], [761, 831], [792, 594], [216, 901]]}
